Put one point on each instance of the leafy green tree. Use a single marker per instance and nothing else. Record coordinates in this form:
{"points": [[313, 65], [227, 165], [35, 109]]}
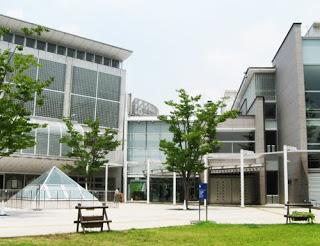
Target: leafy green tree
{"points": [[193, 127], [16, 90], [89, 148]]}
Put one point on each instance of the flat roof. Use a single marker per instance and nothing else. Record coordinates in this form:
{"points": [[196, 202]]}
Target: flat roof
{"points": [[68, 39]]}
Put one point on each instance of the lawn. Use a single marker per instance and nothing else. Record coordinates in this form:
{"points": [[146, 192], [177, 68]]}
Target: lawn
{"points": [[201, 234]]}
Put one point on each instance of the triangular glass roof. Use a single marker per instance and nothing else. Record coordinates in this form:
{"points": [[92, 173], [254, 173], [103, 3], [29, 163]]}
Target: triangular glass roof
{"points": [[54, 185]]}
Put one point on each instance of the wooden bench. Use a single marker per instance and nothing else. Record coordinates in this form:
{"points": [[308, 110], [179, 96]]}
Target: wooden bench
{"points": [[289, 217], [94, 221]]}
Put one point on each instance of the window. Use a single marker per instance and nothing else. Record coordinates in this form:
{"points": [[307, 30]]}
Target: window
{"points": [[313, 133], [235, 136], [19, 40], [30, 42], [270, 111], [312, 77], [106, 61], [8, 37], [71, 52], [98, 59], [62, 50], [89, 57], [80, 54], [313, 104], [115, 63], [272, 183], [41, 45], [52, 48], [314, 158], [271, 141]]}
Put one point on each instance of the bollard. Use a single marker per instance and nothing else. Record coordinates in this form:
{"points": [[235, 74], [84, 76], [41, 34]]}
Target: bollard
{"points": [[2, 212]]}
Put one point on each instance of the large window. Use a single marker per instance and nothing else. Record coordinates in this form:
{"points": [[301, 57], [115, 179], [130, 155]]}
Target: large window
{"points": [[233, 142], [313, 104], [270, 111], [312, 77]]}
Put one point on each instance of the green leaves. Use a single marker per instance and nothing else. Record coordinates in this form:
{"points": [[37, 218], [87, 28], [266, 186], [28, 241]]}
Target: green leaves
{"points": [[90, 148]]}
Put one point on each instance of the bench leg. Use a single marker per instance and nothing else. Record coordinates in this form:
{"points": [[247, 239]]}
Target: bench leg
{"points": [[108, 226]]}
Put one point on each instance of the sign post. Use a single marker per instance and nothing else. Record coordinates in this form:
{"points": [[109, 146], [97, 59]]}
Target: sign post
{"points": [[203, 193]]}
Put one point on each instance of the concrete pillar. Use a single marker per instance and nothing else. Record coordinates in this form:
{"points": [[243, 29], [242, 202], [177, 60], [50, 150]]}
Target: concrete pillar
{"points": [[148, 181], [285, 173], [106, 182], [125, 181], [67, 90], [174, 189], [242, 178]]}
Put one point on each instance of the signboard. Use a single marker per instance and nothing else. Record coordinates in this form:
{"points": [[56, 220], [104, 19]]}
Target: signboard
{"points": [[203, 191]]}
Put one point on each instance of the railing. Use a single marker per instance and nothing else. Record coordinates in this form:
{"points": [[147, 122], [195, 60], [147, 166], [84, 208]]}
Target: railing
{"points": [[52, 199]]}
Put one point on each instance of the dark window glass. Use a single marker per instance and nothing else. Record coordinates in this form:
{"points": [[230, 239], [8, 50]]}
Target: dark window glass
{"points": [[313, 104], [89, 57], [246, 146], [270, 111], [19, 40], [244, 108], [61, 50], [271, 141], [71, 52], [80, 54], [235, 136], [8, 37], [115, 63], [106, 61], [41, 45], [98, 59], [313, 134], [225, 148], [314, 159], [30, 42], [312, 77], [272, 183], [52, 48]]}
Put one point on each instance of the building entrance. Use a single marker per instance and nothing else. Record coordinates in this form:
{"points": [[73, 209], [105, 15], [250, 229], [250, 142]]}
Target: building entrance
{"points": [[225, 189]]}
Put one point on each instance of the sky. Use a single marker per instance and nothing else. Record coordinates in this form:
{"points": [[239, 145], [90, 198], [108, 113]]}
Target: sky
{"points": [[201, 46]]}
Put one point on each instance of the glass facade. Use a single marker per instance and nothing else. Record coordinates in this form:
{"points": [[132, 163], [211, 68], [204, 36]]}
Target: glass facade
{"points": [[233, 142]]}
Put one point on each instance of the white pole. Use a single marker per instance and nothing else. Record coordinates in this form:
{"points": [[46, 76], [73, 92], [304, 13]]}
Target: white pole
{"points": [[148, 181], [285, 173], [174, 189], [242, 178], [125, 181], [206, 174], [106, 182]]}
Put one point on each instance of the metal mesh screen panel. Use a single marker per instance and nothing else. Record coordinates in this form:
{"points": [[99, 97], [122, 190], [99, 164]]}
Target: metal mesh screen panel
{"points": [[84, 82], [31, 149], [42, 141], [54, 141], [108, 113], [53, 69], [82, 108], [109, 86], [52, 106]]}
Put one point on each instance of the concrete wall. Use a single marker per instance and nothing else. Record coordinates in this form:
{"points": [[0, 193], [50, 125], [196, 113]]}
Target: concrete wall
{"points": [[290, 95]]}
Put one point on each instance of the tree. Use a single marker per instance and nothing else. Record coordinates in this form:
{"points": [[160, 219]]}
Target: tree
{"points": [[89, 148], [16, 90], [193, 127]]}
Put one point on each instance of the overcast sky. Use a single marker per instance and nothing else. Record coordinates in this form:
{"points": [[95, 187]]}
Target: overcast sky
{"points": [[202, 46]]}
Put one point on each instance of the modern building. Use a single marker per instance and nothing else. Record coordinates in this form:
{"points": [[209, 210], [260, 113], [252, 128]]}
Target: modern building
{"points": [[279, 105], [89, 82]]}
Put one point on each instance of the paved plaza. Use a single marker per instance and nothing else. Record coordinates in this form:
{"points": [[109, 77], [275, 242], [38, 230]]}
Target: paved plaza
{"points": [[21, 222]]}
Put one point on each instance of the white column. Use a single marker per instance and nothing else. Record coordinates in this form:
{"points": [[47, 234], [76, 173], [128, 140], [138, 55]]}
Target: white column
{"points": [[174, 189], [106, 182], [242, 177], [148, 181], [125, 181], [206, 176], [67, 90], [285, 173]]}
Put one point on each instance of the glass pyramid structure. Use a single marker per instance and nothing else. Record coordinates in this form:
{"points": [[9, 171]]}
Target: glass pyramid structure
{"points": [[54, 185]]}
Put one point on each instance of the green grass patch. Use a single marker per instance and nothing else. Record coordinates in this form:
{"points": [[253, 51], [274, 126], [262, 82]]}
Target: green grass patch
{"points": [[198, 234]]}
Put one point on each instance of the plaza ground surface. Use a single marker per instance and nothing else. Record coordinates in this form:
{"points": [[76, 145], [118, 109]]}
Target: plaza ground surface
{"points": [[135, 215], [201, 234]]}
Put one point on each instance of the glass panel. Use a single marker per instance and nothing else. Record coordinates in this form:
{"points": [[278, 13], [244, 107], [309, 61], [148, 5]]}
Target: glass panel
{"points": [[115, 63], [109, 87], [98, 59], [313, 133], [89, 57], [225, 148], [272, 183], [312, 77], [8, 37], [108, 113], [270, 111], [19, 40], [30, 150], [137, 140], [52, 106], [71, 52], [84, 81], [80, 54], [30, 42], [41, 45], [246, 146], [52, 48], [54, 141], [314, 159], [56, 70], [62, 50], [235, 136], [82, 108], [106, 61], [265, 85], [42, 141]]}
